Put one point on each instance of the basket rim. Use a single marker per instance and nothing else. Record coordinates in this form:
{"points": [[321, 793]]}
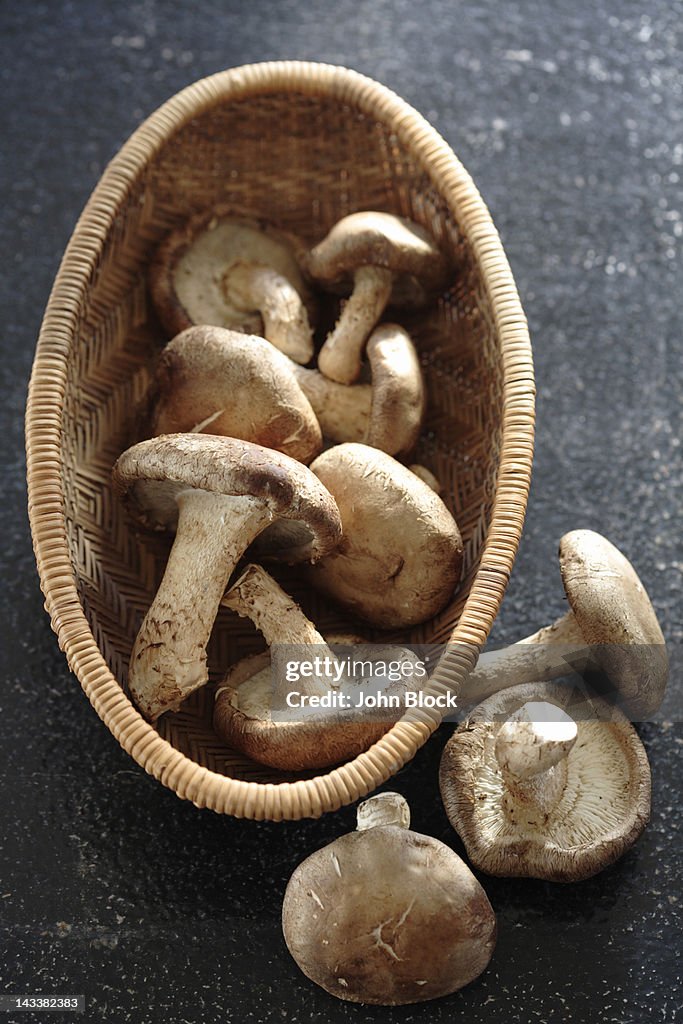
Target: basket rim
{"points": [[356, 778]]}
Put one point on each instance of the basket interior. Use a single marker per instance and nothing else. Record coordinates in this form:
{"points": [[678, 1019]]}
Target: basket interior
{"points": [[302, 162]]}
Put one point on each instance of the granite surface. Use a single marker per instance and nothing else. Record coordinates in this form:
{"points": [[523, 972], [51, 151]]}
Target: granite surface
{"points": [[569, 117]]}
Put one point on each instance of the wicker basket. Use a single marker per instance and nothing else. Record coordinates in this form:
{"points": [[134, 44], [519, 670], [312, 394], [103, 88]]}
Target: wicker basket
{"points": [[302, 144]]}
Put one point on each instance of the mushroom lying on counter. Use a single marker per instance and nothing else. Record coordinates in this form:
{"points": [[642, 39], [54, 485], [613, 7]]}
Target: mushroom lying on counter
{"points": [[610, 614], [532, 791], [387, 916], [381, 260], [309, 735], [400, 557], [234, 272], [216, 381], [217, 494]]}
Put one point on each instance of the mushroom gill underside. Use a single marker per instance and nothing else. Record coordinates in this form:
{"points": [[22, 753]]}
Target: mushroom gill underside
{"points": [[601, 801]]}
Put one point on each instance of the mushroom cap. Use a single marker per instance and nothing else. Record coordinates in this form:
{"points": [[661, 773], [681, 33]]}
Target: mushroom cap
{"points": [[371, 238], [150, 475], [400, 557], [614, 612], [213, 380], [388, 916], [426, 476], [602, 811], [301, 739], [187, 272]]}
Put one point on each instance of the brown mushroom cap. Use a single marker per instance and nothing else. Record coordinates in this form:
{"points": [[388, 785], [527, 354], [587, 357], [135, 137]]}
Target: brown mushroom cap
{"points": [[218, 494], [377, 259], [372, 238], [426, 476], [614, 611], [387, 916], [151, 474], [400, 557], [599, 810], [217, 381], [187, 276]]}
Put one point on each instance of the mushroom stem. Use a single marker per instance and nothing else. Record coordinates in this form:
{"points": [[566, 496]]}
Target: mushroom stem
{"points": [[537, 796], [531, 749], [541, 656], [168, 661], [383, 809], [256, 596], [254, 286], [387, 414], [341, 355], [342, 411], [534, 739]]}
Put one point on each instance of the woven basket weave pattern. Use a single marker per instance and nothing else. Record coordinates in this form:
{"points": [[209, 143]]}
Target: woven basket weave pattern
{"points": [[301, 145]]}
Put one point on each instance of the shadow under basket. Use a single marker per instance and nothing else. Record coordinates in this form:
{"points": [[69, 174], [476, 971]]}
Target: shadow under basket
{"points": [[301, 145]]}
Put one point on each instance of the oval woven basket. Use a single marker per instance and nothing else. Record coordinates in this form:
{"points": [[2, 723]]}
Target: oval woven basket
{"points": [[302, 145]]}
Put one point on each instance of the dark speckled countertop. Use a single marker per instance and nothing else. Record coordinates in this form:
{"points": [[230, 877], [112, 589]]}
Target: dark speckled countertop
{"points": [[569, 117]]}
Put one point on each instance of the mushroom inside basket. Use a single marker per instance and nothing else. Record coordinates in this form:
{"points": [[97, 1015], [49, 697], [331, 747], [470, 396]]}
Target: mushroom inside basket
{"points": [[300, 147]]}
